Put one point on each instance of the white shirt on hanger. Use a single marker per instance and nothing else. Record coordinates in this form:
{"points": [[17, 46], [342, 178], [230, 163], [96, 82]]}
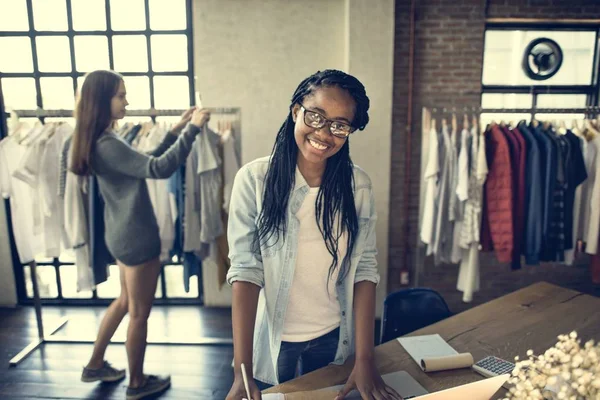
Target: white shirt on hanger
{"points": [[21, 197], [431, 181]]}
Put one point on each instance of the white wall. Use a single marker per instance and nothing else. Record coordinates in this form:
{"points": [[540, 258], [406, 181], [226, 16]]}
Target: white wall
{"points": [[370, 44], [253, 53], [8, 292]]}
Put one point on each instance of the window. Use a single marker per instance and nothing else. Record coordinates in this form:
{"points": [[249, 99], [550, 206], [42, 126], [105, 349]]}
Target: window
{"points": [[506, 85], [52, 44]]}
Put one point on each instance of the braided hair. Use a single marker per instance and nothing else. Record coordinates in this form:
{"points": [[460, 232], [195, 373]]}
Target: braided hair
{"points": [[336, 193]]}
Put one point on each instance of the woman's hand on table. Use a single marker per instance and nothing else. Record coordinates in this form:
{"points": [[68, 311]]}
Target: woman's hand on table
{"points": [[366, 379]]}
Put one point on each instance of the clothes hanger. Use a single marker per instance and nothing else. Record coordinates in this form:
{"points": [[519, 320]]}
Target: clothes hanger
{"points": [[591, 131], [562, 127]]}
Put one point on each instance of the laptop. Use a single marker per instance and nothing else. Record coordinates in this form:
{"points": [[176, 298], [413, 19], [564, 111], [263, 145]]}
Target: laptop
{"points": [[480, 390], [403, 383]]}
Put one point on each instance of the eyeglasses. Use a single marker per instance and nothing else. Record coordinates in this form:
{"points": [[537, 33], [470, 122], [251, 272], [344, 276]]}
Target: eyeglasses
{"points": [[317, 121]]}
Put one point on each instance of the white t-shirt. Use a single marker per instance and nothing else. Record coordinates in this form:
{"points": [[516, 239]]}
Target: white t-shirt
{"points": [[313, 308], [21, 197]]}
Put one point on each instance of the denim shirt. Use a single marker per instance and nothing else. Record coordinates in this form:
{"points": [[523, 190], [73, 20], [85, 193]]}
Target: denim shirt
{"points": [[272, 269]]}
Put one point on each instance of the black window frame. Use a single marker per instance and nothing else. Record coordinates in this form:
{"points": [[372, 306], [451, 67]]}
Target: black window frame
{"points": [[592, 91], [109, 33]]}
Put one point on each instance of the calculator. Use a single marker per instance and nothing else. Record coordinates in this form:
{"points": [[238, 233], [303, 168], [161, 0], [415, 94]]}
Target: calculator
{"points": [[493, 366]]}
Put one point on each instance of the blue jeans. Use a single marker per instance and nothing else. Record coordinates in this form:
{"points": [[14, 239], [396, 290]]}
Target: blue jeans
{"points": [[308, 356]]}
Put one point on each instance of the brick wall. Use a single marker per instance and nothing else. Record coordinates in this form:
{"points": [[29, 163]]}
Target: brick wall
{"points": [[448, 63]]}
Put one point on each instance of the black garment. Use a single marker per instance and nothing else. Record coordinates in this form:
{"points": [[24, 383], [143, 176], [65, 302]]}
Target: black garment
{"points": [[576, 175], [131, 135], [3, 126], [534, 190], [556, 233], [100, 256], [549, 151]]}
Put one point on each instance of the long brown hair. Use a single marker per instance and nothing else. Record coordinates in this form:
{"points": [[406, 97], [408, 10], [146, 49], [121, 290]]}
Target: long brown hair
{"points": [[93, 116]]}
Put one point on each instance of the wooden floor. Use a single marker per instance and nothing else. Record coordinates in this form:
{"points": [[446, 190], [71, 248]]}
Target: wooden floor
{"points": [[53, 371]]}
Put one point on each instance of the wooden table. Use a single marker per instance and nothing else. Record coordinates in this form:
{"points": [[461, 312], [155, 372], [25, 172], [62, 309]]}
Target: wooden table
{"points": [[530, 318]]}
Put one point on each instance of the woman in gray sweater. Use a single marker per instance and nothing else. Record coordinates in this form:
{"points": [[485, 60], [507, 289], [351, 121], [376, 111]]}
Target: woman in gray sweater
{"points": [[131, 226]]}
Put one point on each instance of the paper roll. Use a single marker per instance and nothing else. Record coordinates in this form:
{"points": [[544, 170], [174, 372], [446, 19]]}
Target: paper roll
{"points": [[456, 361]]}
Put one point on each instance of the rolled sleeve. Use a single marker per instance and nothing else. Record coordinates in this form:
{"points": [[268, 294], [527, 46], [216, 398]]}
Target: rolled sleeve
{"points": [[367, 265], [246, 264]]}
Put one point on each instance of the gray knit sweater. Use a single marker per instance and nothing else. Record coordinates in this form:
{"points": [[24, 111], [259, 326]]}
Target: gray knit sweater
{"points": [[131, 228]]}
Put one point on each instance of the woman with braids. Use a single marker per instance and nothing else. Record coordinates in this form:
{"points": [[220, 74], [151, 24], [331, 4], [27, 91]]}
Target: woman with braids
{"points": [[302, 247]]}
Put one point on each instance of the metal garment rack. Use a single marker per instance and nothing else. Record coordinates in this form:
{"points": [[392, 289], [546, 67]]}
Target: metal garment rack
{"points": [[437, 112], [42, 338]]}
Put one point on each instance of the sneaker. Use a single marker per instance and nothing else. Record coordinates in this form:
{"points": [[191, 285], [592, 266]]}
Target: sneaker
{"points": [[105, 374], [152, 385]]}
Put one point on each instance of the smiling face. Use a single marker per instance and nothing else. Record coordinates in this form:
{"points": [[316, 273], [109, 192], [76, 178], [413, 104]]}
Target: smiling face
{"points": [[317, 145]]}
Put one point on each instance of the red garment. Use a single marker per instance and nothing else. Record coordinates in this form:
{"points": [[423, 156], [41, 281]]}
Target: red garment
{"points": [[498, 201]]}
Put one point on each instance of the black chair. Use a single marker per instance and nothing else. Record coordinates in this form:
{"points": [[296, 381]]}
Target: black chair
{"points": [[407, 310]]}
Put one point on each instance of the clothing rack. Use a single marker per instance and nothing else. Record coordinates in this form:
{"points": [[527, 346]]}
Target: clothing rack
{"points": [[533, 110], [590, 112], [42, 338], [40, 113]]}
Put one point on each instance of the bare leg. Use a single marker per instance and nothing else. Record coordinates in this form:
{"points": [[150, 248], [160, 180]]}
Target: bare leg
{"points": [[141, 286], [113, 317]]}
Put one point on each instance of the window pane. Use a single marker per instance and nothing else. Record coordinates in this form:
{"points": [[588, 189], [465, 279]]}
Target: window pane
{"points": [[112, 287], [506, 100], [13, 16], [169, 52], [174, 282], [127, 15], [561, 101], [167, 14], [130, 53], [91, 53], [68, 280], [504, 54], [57, 93], [50, 15], [138, 92], [46, 279], [19, 93], [53, 53], [20, 59], [171, 92], [89, 15]]}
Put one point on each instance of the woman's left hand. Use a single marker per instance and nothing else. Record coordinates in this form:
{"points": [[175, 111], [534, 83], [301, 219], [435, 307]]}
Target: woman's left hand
{"points": [[366, 379], [185, 118]]}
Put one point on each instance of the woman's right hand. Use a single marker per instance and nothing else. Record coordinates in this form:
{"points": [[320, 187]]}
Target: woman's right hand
{"points": [[238, 391], [200, 117]]}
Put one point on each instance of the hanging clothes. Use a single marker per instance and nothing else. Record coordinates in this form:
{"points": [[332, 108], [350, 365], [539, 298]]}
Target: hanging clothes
{"points": [[431, 178], [21, 196], [497, 230], [444, 228], [469, 276], [581, 172], [591, 214]]}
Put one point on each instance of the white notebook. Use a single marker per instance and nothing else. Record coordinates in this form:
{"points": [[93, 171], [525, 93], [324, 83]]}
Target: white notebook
{"points": [[425, 347]]}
